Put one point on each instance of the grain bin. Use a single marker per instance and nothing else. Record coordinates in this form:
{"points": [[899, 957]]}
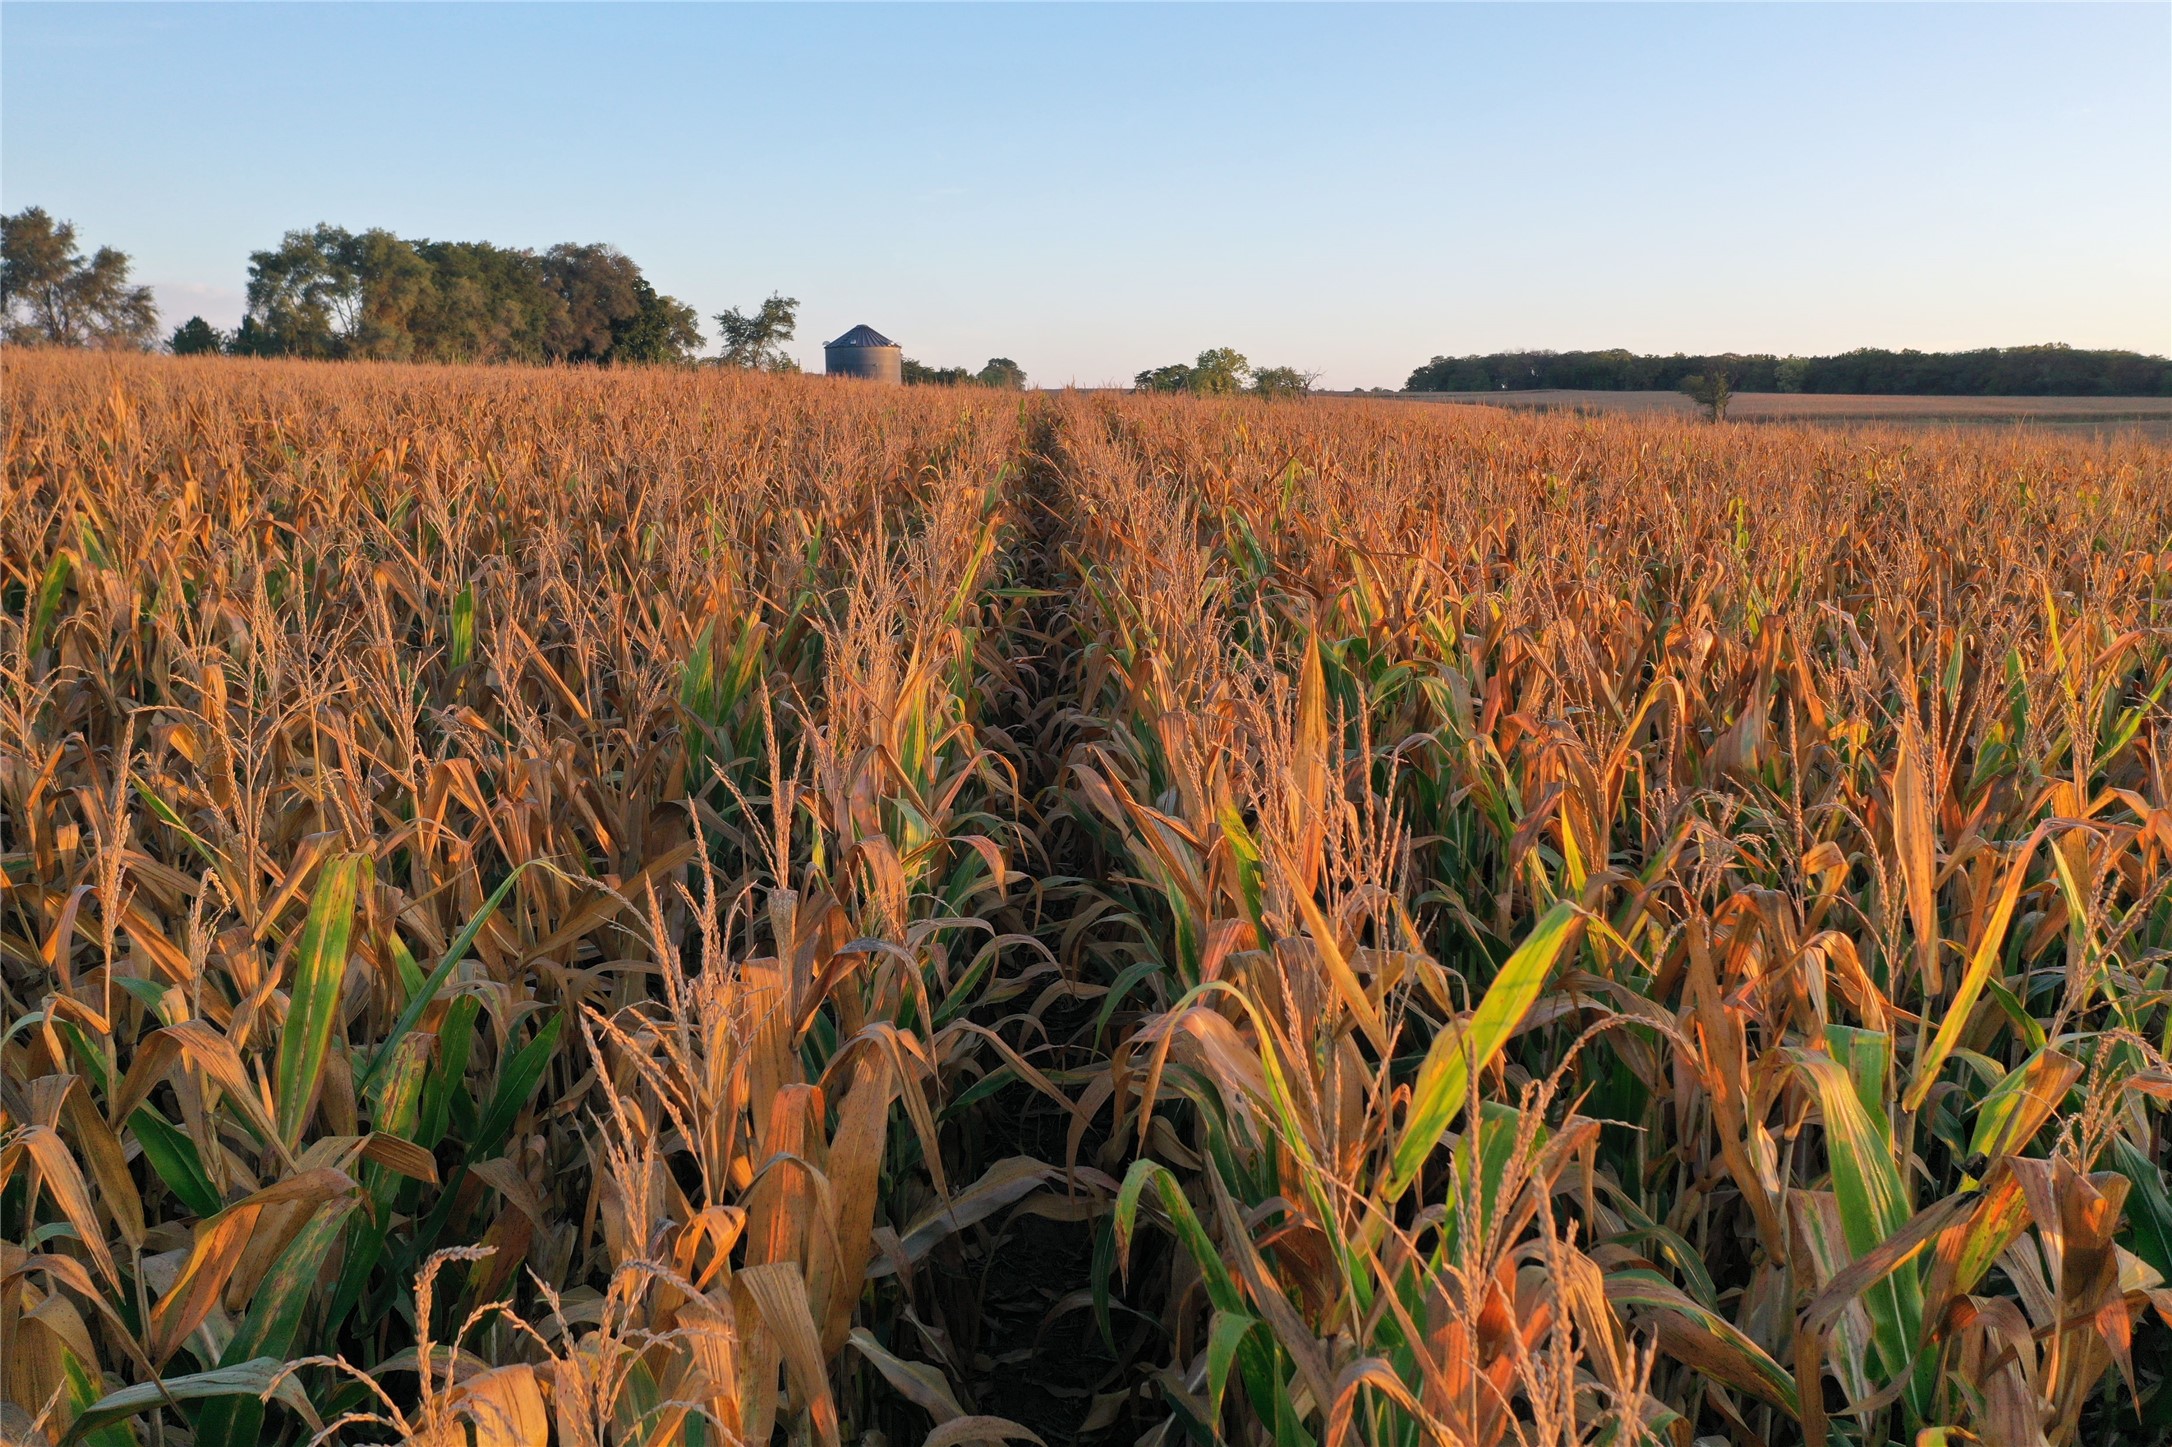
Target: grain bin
{"points": [[865, 352]]}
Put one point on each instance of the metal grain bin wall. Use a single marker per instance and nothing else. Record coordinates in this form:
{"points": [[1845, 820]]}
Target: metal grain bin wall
{"points": [[865, 352]]}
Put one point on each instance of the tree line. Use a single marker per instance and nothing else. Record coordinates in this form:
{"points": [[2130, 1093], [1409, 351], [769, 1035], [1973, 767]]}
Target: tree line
{"points": [[1001, 372], [331, 293], [2045, 371], [1224, 372]]}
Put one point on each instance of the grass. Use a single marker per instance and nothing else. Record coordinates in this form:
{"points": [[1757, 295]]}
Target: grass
{"points": [[595, 905]]}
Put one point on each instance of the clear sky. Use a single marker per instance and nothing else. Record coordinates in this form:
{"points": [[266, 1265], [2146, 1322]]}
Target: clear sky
{"points": [[1096, 189]]}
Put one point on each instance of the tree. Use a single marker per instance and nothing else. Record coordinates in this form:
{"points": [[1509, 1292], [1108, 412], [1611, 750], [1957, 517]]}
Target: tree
{"points": [[1001, 372], [52, 295], [305, 295], [1219, 372], [250, 339], [1711, 390], [398, 286], [1176, 377], [2050, 370], [600, 287], [1282, 381], [916, 373], [611, 313], [755, 340], [196, 338], [488, 304], [662, 329], [328, 292]]}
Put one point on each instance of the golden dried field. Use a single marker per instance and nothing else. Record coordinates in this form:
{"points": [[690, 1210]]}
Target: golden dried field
{"points": [[638, 908]]}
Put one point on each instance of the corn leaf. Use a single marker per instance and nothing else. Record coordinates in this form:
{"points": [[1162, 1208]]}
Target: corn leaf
{"points": [[258, 1378], [320, 973], [1460, 1051]]}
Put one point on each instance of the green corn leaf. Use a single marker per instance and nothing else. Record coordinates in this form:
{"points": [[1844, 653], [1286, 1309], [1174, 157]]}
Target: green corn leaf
{"points": [[50, 589], [1975, 977], [172, 820], [1221, 1287], [970, 573], [403, 962], [94, 1064], [419, 998], [247, 1379], [173, 1156], [151, 994], [2149, 1205], [398, 1112], [2013, 1110], [517, 1081], [697, 678], [1104, 1269], [320, 970], [268, 1331], [1873, 1208], [463, 626], [1254, 1357], [518, 1076], [1223, 1339], [1479, 1170], [447, 1080], [83, 1385], [1125, 983], [1459, 1051], [1867, 1056], [2032, 1030], [1244, 851]]}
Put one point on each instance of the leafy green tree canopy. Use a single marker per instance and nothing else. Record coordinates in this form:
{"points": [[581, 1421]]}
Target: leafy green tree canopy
{"points": [[755, 340], [662, 329], [1223, 372], [330, 292], [1000, 372], [195, 338], [598, 286], [1711, 390], [919, 374], [1282, 381], [1219, 372], [2045, 371], [1176, 377], [52, 295]]}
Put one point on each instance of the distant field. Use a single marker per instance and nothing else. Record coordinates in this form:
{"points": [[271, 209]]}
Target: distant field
{"points": [[2150, 415]]}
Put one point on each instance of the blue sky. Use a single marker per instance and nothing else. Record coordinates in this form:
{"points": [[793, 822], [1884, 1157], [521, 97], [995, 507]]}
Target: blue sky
{"points": [[1096, 189]]}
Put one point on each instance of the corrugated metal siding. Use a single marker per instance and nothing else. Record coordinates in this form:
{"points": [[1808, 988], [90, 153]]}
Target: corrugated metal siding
{"points": [[877, 364]]}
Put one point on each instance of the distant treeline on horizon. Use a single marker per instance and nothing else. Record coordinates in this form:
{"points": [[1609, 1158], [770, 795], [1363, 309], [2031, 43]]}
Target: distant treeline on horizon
{"points": [[2045, 371]]}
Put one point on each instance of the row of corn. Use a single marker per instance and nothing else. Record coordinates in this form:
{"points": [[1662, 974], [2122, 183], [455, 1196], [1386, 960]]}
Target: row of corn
{"points": [[1655, 937]]}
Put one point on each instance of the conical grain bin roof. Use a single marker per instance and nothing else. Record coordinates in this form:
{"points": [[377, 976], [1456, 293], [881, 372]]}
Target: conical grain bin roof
{"points": [[865, 352]]}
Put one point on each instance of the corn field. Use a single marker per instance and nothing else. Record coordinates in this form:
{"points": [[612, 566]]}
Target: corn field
{"points": [[627, 909]]}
